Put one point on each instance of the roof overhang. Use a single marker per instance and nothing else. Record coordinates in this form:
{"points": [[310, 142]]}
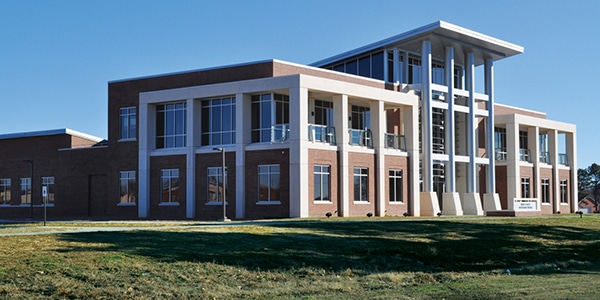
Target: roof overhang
{"points": [[442, 35]]}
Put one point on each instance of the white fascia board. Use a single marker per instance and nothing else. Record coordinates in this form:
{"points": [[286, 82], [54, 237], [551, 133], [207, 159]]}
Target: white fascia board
{"points": [[536, 122], [519, 108], [50, 132]]}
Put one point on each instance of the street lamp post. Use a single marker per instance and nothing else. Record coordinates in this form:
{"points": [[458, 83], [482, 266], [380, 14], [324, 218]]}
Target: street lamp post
{"points": [[30, 162], [224, 183]]}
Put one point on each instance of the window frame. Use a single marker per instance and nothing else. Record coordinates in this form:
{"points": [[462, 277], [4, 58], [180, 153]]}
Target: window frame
{"points": [[172, 177], [269, 110], [219, 177], [128, 180], [5, 191], [361, 192], [48, 182], [271, 171], [393, 179], [128, 114], [564, 193], [545, 183], [323, 174], [210, 108], [525, 187], [25, 189], [173, 129]]}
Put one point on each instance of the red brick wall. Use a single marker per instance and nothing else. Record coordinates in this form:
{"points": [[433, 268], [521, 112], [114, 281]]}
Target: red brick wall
{"points": [[323, 157], [547, 208], [265, 157], [501, 185], [565, 174]]}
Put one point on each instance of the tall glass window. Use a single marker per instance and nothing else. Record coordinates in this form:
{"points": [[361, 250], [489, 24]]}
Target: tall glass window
{"points": [[500, 143], [270, 117], [25, 191], [48, 185], [322, 191], [437, 73], [324, 113], [414, 70], [396, 186], [128, 187], [268, 183], [4, 191], [218, 121], [545, 190], [216, 184], [169, 185], [361, 184], [128, 123], [170, 125], [564, 196], [525, 188], [361, 117]]}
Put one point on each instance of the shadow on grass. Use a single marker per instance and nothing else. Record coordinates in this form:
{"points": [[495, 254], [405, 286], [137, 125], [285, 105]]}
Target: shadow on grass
{"points": [[368, 246]]}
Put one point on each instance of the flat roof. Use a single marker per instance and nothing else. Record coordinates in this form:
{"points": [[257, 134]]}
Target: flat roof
{"points": [[441, 34], [50, 132]]}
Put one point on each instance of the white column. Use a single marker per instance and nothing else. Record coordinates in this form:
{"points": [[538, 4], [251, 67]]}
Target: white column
{"points": [[341, 132], [242, 127], [426, 124], [553, 149], [450, 123], [533, 140], [378, 127], [513, 183], [145, 144], [472, 132], [190, 159], [404, 77], [490, 147], [298, 177], [571, 147], [386, 69], [410, 117]]}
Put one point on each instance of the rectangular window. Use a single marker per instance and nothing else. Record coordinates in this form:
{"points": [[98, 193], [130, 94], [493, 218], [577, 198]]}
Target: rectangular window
{"points": [[525, 191], [216, 188], [270, 118], [25, 191], [437, 73], [128, 187], [170, 125], [396, 186], [545, 190], [322, 191], [324, 113], [268, 183], [414, 70], [169, 185], [361, 184], [218, 121], [128, 123], [564, 196], [500, 143], [48, 186], [5, 191]]}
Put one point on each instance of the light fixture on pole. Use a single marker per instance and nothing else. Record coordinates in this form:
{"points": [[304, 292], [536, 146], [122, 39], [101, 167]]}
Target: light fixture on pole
{"points": [[224, 184]]}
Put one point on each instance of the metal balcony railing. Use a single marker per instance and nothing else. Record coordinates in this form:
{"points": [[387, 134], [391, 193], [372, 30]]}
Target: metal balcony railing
{"points": [[545, 157], [361, 137], [321, 133], [394, 141], [500, 154], [280, 133], [524, 155], [562, 159]]}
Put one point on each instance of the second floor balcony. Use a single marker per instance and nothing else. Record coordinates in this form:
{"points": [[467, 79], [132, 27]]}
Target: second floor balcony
{"points": [[394, 141], [361, 137], [321, 133], [524, 155], [280, 133]]}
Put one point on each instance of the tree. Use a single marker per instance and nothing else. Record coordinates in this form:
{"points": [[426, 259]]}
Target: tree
{"points": [[588, 180]]}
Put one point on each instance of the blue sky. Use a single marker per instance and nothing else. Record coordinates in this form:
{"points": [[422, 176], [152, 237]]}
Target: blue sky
{"points": [[58, 56]]}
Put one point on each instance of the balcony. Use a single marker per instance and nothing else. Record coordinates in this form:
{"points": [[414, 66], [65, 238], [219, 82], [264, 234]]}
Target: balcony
{"points": [[321, 134], [280, 133], [500, 154], [394, 141], [545, 157], [562, 159], [524, 155], [361, 137]]}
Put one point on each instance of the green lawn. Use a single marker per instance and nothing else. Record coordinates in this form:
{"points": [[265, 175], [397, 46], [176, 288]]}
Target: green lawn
{"points": [[451, 258]]}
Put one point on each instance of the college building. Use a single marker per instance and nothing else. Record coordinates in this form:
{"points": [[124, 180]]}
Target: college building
{"points": [[404, 126]]}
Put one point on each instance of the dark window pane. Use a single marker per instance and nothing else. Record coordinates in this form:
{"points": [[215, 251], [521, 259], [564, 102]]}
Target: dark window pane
{"points": [[352, 67], [377, 66], [364, 66]]}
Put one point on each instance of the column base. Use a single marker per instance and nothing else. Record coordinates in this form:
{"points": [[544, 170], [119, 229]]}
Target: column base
{"points": [[451, 205], [429, 204], [472, 204], [491, 202]]}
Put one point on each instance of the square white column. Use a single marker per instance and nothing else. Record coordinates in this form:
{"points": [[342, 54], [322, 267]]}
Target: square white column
{"points": [[298, 177]]}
